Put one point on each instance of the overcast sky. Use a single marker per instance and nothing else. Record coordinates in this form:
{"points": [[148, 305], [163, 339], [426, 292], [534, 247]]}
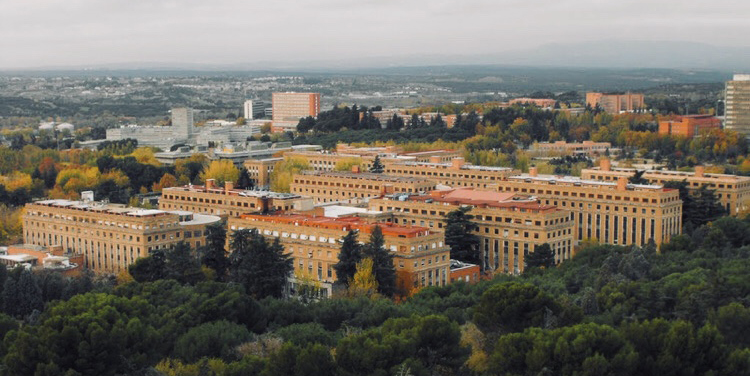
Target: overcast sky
{"points": [[36, 33]]}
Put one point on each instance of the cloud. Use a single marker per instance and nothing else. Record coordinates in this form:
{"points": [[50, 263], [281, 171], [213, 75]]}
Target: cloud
{"points": [[79, 32]]}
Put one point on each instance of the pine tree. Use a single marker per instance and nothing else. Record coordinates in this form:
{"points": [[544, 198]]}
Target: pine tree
{"points": [[385, 272], [350, 255], [150, 268], [214, 253], [244, 181], [377, 166], [459, 235], [182, 265], [542, 257], [260, 267], [414, 123], [638, 178]]}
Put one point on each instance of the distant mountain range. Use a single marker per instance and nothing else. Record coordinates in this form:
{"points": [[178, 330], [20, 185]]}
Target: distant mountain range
{"points": [[597, 54]]}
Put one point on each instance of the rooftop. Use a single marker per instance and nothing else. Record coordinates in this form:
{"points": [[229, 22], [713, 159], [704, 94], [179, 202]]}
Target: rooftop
{"points": [[234, 192], [342, 224], [574, 180], [102, 207], [469, 196], [463, 167], [365, 176]]}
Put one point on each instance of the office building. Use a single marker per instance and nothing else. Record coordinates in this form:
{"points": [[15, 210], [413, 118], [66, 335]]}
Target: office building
{"points": [[732, 191], [509, 225], [353, 187], [560, 148], [254, 108], [288, 108], [615, 103], [455, 174], [419, 255], [689, 125], [608, 212], [110, 236], [737, 104], [229, 202]]}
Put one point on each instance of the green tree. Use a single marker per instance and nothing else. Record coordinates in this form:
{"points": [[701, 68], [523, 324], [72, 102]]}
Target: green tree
{"points": [[638, 178], [512, 307], [377, 166], [459, 235], [542, 257], [349, 256], [244, 181], [216, 339], [262, 268], [22, 296], [150, 268], [214, 253], [385, 272], [182, 265]]}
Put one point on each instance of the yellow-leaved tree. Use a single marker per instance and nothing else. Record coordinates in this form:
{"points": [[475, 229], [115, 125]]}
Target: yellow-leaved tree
{"points": [[145, 155], [283, 172], [346, 164], [222, 171], [166, 181], [363, 283]]}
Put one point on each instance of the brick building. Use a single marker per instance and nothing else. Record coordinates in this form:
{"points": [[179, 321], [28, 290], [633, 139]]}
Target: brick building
{"points": [[354, 187], [110, 236], [689, 125], [615, 103], [288, 108], [419, 255], [509, 225], [228, 201], [732, 191]]}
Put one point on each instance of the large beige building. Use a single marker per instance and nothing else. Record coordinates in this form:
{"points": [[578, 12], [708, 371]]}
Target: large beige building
{"points": [[737, 104], [455, 174], [616, 103], [288, 108], [608, 212], [509, 225], [110, 236], [227, 201], [569, 148], [260, 170], [354, 187], [419, 255], [732, 191]]}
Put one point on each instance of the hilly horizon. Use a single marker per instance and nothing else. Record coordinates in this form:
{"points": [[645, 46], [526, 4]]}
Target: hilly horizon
{"points": [[608, 54]]}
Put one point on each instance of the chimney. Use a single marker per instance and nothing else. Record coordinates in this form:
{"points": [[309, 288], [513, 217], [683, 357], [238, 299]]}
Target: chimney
{"points": [[533, 171], [699, 171], [228, 186], [457, 162], [622, 183], [434, 159], [605, 164], [210, 184], [356, 169]]}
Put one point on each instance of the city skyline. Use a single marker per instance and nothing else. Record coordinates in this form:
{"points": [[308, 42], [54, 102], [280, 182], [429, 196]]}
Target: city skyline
{"points": [[87, 33]]}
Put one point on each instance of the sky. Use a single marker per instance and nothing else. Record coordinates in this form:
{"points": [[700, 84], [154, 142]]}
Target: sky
{"points": [[47, 33]]}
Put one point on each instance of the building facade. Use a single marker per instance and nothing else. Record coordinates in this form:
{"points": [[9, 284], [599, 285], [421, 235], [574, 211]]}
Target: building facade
{"points": [[288, 108], [229, 202], [260, 170], [608, 212], [419, 255], [254, 108], [455, 174], [570, 148], [509, 226], [732, 191], [689, 125], [354, 187], [616, 103], [110, 236], [737, 104]]}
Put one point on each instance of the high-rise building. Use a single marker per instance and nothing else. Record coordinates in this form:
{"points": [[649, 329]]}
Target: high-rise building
{"points": [[254, 108], [288, 108], [737, 104], [182, 121], [615, 103]]}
